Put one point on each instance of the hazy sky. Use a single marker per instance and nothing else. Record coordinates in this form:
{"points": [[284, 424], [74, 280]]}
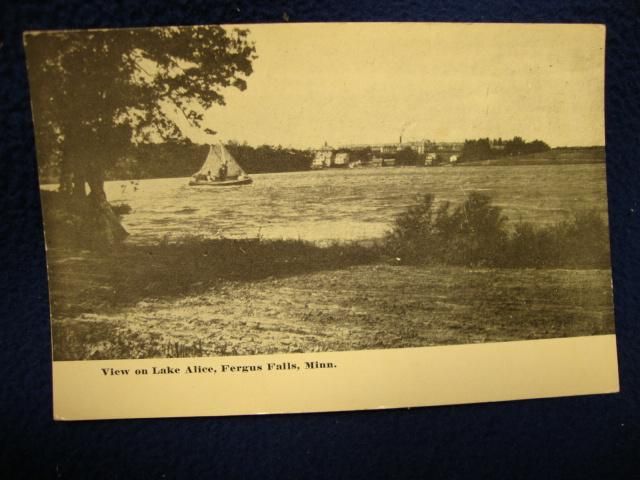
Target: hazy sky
{"points": [[366, 83]]}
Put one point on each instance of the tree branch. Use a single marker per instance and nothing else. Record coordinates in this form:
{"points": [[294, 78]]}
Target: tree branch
{"points": [[168, 95]]}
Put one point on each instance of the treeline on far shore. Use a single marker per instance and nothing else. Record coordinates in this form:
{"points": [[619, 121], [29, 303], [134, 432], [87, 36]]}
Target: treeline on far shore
{"points": [[485, 148], [269, 159], [184, 159]]}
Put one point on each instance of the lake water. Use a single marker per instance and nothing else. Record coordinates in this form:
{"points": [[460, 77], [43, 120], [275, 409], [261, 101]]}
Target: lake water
{"points": [[347, 204]]}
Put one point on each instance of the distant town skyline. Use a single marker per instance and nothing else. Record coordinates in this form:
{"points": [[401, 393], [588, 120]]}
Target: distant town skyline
{"points": [[370, 83]]}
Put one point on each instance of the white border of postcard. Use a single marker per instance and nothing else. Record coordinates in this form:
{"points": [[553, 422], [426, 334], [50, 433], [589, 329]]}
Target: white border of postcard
{"points": [[334, 381]]}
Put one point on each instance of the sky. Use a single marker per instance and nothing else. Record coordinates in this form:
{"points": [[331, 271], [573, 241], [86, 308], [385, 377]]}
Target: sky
{"points": [[355, 83]]}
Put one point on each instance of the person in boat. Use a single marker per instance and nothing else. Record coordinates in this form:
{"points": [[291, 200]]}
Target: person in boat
{"points": [[209, 177], [223, 172]]}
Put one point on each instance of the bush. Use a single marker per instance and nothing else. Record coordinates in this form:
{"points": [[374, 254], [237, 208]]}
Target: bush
{"points": [[475, 234], [531, 247], [471, 234], [121, 209], [581, 242]]}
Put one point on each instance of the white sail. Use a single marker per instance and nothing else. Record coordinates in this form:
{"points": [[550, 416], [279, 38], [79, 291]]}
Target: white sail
{"points": [[217, 157]]}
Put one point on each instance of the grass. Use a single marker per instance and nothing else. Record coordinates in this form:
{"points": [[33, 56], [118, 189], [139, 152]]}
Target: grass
{"points": [[355, 308], [88, 282]]}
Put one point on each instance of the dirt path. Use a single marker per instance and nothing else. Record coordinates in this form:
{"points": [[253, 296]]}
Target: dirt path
{"points": [[364, 307]]}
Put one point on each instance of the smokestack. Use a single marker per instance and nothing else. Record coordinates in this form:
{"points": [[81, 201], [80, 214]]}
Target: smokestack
{"points": [[400, 139]]}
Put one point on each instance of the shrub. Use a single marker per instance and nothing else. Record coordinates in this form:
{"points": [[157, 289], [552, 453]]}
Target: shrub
{"points": [[415, 232], [475, 234], [530, 247], [121, 209], [471, 234]]}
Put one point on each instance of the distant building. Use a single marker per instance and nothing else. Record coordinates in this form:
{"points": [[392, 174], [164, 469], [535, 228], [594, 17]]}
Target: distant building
{"points": [[420, 147], [323, 157], [376, 161], [341, 159], [445, 151], [384, 154], [430, 159], [389, 148]]}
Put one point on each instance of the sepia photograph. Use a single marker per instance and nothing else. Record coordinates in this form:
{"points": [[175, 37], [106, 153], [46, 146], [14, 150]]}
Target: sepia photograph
{"points": [[236, 190]]}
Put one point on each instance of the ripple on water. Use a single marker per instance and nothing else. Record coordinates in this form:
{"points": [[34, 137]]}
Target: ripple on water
{"points": [[350, 204]]}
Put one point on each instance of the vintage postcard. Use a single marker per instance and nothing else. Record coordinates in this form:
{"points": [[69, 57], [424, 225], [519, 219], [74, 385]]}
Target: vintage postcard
{"points": [[281, 218]]}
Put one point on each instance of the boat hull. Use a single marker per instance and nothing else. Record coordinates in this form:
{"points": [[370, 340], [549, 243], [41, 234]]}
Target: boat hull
{"points": [[225, 183]]}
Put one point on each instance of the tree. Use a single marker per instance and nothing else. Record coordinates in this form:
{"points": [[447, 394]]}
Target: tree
{"points": [[479, 149], [515, 146], [407, 156], [536, 146], [95, 92]]}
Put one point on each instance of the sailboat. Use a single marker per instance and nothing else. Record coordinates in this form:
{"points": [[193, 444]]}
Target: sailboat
{"points": [[219, 169]]}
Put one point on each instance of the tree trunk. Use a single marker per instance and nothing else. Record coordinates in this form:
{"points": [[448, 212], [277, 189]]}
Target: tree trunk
{"points": [[79, 191], [106, 226]]}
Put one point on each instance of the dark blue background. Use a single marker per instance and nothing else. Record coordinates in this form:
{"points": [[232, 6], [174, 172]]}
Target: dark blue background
{"points": [[583, 437]]}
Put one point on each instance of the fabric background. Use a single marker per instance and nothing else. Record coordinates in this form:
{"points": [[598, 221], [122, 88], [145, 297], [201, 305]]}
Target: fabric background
{"points": [[581, 437]]}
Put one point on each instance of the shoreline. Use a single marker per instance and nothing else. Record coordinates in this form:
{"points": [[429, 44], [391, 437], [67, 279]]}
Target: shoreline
{"points": [[510, 162], [559, 156]]}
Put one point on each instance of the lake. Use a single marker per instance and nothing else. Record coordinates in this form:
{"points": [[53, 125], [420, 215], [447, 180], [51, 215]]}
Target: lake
{"points": [[348, 204]]}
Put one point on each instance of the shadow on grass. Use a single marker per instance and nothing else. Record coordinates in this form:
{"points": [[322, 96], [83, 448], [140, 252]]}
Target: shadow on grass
{"points": [[88, 281]]}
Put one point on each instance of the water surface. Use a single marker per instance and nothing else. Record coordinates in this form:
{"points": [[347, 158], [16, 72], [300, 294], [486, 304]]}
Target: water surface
{"points": [[348, 204]]}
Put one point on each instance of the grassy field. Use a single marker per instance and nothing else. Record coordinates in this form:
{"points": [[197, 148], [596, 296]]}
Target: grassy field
{"points": [[360, 307]]}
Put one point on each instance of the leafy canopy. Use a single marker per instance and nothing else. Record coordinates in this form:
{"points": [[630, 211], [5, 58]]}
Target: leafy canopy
{"points": [[94, 92]]}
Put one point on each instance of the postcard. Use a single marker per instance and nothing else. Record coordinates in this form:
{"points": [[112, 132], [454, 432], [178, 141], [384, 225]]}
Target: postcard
{"points": [[280, 218]]}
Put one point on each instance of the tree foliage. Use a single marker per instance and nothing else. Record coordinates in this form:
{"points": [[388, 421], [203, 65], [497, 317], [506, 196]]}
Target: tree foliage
{"points": [[471, 234], [475, 233], [267, 159], [407, 156], [94, 92], [484, 148]]}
